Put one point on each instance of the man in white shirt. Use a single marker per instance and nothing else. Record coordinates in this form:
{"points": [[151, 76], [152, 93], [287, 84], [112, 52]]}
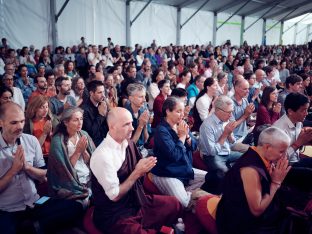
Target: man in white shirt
{"points": [[119, 198], [94, 56], [296, 106]]}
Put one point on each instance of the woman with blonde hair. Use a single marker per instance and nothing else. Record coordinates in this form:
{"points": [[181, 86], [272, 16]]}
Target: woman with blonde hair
{"points": [[39, 122]]}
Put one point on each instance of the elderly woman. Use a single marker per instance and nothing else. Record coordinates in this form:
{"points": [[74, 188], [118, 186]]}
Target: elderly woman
{"points": [[249, 201], [174, 144], [68, 169]]}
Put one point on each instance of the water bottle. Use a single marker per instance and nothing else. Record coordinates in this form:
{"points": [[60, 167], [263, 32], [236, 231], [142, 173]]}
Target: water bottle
{"points": [[179, 227]]}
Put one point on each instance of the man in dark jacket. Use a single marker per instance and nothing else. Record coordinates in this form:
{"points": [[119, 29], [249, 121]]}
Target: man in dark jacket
{"points": [[95, 110]]}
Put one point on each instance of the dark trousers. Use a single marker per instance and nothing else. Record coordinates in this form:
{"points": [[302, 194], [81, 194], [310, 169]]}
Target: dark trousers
{"points": [[158, 211], [300, 175], [49, 217]]}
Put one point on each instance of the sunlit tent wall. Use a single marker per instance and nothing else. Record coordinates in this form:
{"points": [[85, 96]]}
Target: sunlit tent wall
{"points": [[30, 22]]}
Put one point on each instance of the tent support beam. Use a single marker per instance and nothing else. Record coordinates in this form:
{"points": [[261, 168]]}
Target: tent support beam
{"points": [[61, 10], [282, 19], [178, 39], [260, 17], [233, 14], [308, 33], [297, 22], [214, 28], [128, 26], [53, 23], [281, 33], [194, 13], [263, 32], [141, 11], [242, 30]]}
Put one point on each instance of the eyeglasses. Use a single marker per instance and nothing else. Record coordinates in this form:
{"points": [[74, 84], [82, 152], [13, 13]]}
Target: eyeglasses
{"points": [[228, 112], [9, 79]]}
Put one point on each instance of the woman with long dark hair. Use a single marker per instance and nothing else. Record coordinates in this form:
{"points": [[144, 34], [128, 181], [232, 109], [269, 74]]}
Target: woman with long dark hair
{"points": [[268, 110], [203, 104]]}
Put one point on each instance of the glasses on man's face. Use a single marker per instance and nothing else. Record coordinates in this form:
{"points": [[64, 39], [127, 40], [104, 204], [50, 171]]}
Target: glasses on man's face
{"points": [[227, 112], [8, 79]]}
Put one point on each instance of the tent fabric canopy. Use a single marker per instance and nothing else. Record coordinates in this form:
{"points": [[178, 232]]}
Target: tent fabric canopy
{"points": [[168, 21]]}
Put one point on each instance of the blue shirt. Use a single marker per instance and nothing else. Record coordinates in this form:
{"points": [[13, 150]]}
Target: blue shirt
{"points": [[27, 90], [209, 133], [57, 106], [174, 159], [241, 130], [21, 190]]}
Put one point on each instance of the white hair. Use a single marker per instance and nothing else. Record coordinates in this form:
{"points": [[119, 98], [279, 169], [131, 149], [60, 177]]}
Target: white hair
{"points": [[273, 136]]}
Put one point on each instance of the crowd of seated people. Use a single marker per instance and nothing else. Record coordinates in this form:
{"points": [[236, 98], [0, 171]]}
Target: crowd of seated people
{"points": [[103, 117]]}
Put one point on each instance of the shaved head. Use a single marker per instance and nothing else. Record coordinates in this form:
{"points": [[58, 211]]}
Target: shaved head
{"points": [[9, 106], [119, 122], [115, 115]]}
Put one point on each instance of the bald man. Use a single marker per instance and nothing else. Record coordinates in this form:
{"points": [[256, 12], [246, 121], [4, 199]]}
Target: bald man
{"points": [[21, 163], [117, 170]]}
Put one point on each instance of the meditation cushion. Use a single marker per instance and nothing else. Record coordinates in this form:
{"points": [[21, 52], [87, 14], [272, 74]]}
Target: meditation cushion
{"points": [[205, 210], [149, 186], [198, 162], [88, 222]]}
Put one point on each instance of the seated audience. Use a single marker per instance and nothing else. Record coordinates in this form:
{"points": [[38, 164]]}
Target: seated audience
{"points": [[140, 114], [121, 205], [164, 87], [269, 109], [222, 78], [293, 84], [241, 114], [185, 77], [203, 105], [153, 89], [174, 144], [249, 203], [254, 92], [18, 98], [6, 95], [95, 112], [21, 164], [215, 140], [111, 91], [78, 90], [40, 122], [62, 100], [296, 106], [24, 82], [69, 175], [41, 88], [51, 90], [194, 89]]}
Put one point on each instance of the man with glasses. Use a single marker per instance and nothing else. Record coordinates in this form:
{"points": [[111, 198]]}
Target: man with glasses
{"points": [[215, 140], [18, 98]]}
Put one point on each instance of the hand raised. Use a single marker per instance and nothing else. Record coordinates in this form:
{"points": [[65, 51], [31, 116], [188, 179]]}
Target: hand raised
{"points": [[182, 129], [82, 145], [280, 170], [145, 165], [143, 119], [277, 108], [229, 128], [19, 160], [249, 109], [47, 128]]}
